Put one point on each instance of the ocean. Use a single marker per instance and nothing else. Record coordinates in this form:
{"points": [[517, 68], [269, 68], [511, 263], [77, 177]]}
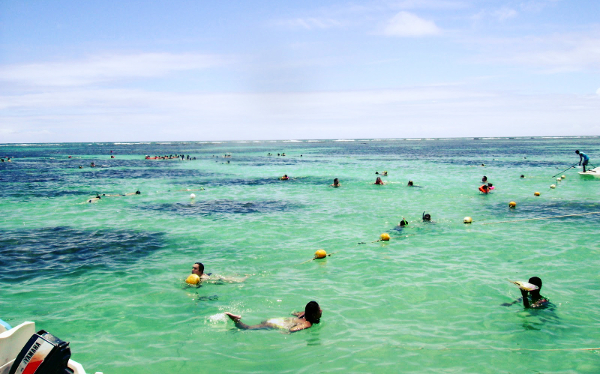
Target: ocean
{"points": [[108, 276]]}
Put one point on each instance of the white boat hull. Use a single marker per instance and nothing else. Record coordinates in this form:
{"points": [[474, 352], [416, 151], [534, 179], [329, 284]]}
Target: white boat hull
{"points": [[594, 172]]}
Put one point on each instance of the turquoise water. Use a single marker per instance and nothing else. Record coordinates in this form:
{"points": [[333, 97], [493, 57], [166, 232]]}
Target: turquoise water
{"points": [[107, 276]]}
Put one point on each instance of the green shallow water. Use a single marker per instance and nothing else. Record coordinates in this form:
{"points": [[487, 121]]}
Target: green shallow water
{"points": [[108, 276]]}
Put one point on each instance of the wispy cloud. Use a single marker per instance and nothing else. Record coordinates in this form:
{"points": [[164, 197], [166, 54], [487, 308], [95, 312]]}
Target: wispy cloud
{"points": [[405, 24], [105, 68], [310, 23], [499, 14], [553, 53]]}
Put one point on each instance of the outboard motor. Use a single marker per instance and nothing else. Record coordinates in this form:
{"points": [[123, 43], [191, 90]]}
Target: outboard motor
{"points": [[44, 353]]}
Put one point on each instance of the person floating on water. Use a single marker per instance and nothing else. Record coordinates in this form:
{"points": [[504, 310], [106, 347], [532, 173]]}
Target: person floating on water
{"points": [[378, 181], [336, 183], [302, 320], [94, 199], [484, 188], [583, 158], [284, 178], [532, 299]]}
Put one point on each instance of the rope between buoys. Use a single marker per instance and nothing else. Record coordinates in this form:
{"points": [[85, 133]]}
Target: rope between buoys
{"points": [[542, 218], [504, 349]]}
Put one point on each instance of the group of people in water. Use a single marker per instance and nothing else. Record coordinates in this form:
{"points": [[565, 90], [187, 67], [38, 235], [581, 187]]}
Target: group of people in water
{"points": [[300, 320]]}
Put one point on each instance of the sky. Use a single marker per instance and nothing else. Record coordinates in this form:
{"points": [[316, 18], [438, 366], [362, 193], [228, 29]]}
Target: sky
{"points": [[183, 70]]}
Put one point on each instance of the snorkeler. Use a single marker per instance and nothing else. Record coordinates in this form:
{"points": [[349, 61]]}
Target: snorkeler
{"points": [[403, 223], [336, 183], [426, 217], [532, 299], [303, 320]]}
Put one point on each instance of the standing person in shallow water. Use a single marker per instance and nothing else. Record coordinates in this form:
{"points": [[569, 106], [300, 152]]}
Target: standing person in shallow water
{"points": [[302, 320], [583, 158], [532, 299]]}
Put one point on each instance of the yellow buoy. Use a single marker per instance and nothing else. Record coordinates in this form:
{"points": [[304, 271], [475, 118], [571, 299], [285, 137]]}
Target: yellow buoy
{"points": [[512, 204], [468, 220], [193, 279], [558, 179], [320, 253], [536, 193], [385, 237], [562, 176], [552, 186]]}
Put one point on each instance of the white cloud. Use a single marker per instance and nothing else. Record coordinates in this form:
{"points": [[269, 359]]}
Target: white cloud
{"points": [[104, 68], [311, 23], [553, 53], [427, 111], [406, 24]]}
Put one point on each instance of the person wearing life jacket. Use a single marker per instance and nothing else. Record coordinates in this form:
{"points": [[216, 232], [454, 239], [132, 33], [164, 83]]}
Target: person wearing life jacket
{"points": [[484, 188], [284, 178]]}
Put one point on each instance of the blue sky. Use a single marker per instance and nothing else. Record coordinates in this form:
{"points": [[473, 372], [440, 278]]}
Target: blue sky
{"points": [[235, 70]]}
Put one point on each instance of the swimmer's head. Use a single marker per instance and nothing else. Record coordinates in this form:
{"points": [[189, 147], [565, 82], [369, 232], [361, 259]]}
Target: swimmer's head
{"points": [[98, 197], [336, 181], [138, 192], [198, 269], [426, 217], [403, 222], [522, 176], [312, 312], [536, 281], [577, 151], [490, 185], [410, 183]]}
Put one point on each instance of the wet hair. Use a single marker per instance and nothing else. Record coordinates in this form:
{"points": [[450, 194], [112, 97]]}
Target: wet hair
{"points": [[312, 312], [522, 176], [484, 179], [336, 181], [200, 267], [403, 222], [138, 192], [410, 183], [490, 185], [536, 281], [577, 151]]}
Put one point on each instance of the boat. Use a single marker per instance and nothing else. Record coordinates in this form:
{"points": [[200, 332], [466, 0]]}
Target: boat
{"points": [[594, 172], [30, 350]]}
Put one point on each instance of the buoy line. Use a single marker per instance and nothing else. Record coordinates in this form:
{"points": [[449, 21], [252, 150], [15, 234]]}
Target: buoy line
{"points": [[542, 218], [503, 349]]}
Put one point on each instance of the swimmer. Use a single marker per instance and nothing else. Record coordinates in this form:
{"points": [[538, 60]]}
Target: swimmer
{"points": [[532, 299], [522, 176], [490, 186], [92, 165], [426, 217], [302, 320], [198, 269], [484, 179], [336, 183], [403, 223], [284, 178], [379, 181], [94, 199], [484, 188], [133, 193], [410, 184], [385, 173]]}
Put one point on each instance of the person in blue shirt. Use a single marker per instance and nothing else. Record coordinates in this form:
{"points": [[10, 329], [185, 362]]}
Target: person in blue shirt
{"points": [[583, 158]]}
